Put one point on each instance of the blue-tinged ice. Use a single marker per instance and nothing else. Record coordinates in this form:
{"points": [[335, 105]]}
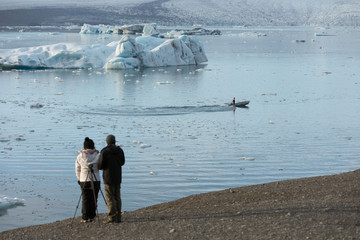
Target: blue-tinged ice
{"points": [[7, 203], [129, 52]]}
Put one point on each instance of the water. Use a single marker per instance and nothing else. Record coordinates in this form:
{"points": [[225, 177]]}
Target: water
{"points": [[178, 134]]}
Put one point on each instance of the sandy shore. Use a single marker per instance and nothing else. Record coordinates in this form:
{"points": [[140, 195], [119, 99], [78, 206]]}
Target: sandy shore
{"points": [[326, 207]]}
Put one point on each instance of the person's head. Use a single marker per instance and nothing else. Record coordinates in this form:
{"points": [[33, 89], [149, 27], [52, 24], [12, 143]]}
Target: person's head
{"points": [[110, 139], [88, 143]]}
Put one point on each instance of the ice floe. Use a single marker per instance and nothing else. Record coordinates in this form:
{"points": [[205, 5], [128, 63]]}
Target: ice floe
{"points": [[246, 158], [36, 105], [7, 203]]}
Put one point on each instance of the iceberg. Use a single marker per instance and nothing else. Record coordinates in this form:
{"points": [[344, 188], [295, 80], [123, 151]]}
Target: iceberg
{"points": [[195, 31], [149, 29], [129, 52], [62, 55], [96, 29]]}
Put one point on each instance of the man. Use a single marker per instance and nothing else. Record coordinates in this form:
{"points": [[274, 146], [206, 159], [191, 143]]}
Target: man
{"points": [[111, 159]]}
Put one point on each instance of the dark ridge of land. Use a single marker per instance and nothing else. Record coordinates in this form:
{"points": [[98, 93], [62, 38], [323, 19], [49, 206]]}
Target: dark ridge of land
{"points": [[326, 207], [57, 16]]}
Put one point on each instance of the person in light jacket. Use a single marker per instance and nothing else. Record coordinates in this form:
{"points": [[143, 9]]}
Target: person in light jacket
{"points": [[87, 172], [111, 160]]}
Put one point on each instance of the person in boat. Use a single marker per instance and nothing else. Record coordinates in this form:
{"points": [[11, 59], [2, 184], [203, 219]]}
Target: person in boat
{"points": [[233, 101]]}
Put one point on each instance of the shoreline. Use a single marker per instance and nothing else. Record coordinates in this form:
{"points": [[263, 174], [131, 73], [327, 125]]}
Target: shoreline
{"points": [[324, 207]]}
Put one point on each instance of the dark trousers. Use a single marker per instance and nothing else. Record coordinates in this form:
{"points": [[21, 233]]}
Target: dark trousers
{"points": [[89, 204], [113, 200]]}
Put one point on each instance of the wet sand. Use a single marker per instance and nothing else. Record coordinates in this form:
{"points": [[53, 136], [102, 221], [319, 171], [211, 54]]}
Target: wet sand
{"points": [[326, 207]]}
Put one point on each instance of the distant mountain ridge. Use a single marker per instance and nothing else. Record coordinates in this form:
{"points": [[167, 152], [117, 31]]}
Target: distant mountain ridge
{"points": [[184, 12]]}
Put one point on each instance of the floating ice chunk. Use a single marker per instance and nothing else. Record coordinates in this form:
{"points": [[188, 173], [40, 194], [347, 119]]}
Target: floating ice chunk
{"points": [[7, 203], [346, 137], [299, 41], [246, 158], [202, 70], [166, 82], [323, 34], [192, 178], [36, 105], [252, 34], [145, 145]]}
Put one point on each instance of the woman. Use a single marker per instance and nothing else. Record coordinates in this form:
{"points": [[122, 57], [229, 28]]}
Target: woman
{"points": [[86, 168]]}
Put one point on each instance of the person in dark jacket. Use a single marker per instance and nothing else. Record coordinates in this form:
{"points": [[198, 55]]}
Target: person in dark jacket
{"points": [[111, 160]]}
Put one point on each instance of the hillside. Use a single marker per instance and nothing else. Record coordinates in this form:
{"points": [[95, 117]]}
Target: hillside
{"points": [[184, 12]]}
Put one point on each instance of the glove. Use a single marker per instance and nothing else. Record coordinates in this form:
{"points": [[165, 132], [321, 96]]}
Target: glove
{"points": [[78, 182]]}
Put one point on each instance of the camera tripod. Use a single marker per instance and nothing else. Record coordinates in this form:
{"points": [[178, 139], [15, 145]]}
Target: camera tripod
{"points": [[92, 186]]}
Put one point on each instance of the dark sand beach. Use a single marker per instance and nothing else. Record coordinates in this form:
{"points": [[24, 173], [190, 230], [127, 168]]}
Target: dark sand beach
{"points": [[326, 207]]}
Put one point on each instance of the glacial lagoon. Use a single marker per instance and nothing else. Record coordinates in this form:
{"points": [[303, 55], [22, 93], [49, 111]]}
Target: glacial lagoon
{"points": [[178, 134]]}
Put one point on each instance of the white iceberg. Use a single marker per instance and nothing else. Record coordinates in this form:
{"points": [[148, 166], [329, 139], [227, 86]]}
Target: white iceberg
{"points": [[195, 31], [144, 51], [149, 29], [172, 52], [96, 29], [56, 56]]}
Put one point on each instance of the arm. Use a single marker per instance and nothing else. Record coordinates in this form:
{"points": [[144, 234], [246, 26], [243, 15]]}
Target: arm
{"points": [[122, 161], [77, 168], [101, 163]]}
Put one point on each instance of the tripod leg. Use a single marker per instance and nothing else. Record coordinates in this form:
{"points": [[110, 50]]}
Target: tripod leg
{"points": [[77, 206], [94, 194], [101, 191]]}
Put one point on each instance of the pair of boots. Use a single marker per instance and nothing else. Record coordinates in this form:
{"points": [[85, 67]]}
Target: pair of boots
{"points": [[114, 219]]}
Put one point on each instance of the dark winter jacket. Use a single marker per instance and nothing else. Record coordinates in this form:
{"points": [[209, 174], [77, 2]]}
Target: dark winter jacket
{"points": [[111, 159]]}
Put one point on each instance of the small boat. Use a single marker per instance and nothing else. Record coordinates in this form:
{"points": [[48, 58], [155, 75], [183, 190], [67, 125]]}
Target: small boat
{"points": [[240, 104]]}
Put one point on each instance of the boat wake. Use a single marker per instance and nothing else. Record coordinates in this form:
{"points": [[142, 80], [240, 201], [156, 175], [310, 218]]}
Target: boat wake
{"points": [[158, 111]]}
